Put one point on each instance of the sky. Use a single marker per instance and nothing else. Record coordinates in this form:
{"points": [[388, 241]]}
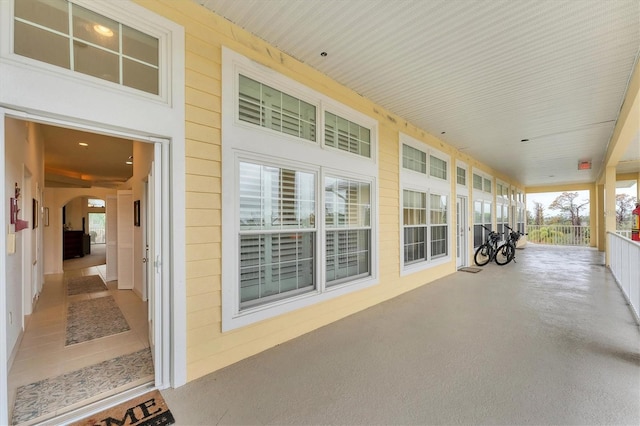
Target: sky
{"points": [[547, 198]]}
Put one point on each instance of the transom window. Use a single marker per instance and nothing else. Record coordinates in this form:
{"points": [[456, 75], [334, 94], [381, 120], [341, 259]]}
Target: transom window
{"points": [[487, 185], [437, 167], [66, 35], [461, 176], [477, 182], [346, 135], [414, 159], [482, 183], [267, 107]]}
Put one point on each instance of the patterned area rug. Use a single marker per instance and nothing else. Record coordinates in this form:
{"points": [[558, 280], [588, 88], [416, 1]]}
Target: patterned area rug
{"points": [[49, 395], [86, 284], [92, 319]]}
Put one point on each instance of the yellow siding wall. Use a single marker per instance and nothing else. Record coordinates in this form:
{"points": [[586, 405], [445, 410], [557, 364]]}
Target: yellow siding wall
{"points": [[208, 348]]}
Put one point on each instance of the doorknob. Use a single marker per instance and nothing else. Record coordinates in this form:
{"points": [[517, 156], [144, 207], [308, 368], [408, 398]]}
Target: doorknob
{"points": [[144, 260]]}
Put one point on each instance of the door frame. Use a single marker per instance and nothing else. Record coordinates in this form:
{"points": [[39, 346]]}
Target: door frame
{"points": [[170, 345], [462, 233]]}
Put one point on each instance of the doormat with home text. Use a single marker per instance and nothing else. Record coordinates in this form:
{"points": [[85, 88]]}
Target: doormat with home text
{"points": [[145, 410]]}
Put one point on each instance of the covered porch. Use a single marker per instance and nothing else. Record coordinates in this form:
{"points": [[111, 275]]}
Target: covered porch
{"points": [[547, 340]]}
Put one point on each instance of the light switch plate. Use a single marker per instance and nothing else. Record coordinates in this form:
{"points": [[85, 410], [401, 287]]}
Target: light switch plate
{"points": [[11, 243]]}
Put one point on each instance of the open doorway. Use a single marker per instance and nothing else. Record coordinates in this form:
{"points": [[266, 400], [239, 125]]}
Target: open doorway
{"points": [[85, 325]]}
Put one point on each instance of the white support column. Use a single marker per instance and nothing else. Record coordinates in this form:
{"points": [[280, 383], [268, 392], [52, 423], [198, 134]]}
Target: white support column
{"points": [[609, 207]]}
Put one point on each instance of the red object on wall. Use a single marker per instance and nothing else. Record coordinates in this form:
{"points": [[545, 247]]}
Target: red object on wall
{"points": [[635, 227]]}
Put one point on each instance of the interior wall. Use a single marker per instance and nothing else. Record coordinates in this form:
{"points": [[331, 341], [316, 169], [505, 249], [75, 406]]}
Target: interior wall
{"points": [[142, 159], [55, 199], [23, 149]]}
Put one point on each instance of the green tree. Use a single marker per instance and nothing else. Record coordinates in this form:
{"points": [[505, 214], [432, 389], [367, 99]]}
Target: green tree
{"points": [[538, 212], [569, 206], [625, 204]]}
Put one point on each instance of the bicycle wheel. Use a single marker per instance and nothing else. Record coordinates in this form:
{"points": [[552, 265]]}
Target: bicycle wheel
{"points": [[482, 255], [505, 254]]}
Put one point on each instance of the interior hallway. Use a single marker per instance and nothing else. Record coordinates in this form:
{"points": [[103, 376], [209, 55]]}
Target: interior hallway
{"points": [[548, 340], [43, 354]]}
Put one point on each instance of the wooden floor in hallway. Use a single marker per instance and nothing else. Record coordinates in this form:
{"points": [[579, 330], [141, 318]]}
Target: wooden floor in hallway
{"points": [[42, 353]]}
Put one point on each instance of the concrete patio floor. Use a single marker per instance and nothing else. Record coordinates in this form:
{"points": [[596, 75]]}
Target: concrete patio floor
{"points": [[548, 340]]}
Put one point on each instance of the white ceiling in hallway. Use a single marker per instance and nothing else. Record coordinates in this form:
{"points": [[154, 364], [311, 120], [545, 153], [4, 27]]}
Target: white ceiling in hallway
{"points": [[488, 74], [101, 163]]}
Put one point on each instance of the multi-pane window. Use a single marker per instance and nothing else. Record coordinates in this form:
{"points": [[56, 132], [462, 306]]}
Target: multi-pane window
{"points": [[425, 226], [277, 233], [487, 185], [461, 176], [438, 222], [502, 207], [300, 200], [414, 159], [520, 223], [348, 229], [437, 167], [481, 216], [66, 35], [425, 233], [414, 212], [267, 107], [346, 135], [477, 182]]}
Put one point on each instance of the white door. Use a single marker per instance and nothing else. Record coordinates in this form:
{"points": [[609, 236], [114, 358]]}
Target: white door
{"points": [[125, 240], [153, 247], [461, 232], [111, 236]]}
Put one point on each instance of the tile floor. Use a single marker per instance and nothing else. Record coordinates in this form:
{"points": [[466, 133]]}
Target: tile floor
{"points": [[42, 353]]}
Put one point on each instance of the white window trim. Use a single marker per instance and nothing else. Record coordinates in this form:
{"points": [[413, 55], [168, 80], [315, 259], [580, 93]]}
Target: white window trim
{"points": [[424, 182], [125, 13], [463, 189], [482, 194], [281, 150]]}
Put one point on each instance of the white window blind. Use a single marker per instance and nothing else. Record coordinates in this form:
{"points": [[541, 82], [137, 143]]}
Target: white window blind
{"points": [[277, 233], [348, 229], [461, 176], [438, 223], [414, 159], [487, 185], [477, 182], [437, 167], [267, 107], [346, 135], [415, 226]]}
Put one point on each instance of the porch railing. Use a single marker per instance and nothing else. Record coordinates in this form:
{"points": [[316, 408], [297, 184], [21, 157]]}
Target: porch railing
{"points": [[624, 256], [561, 235], [624, 233]]}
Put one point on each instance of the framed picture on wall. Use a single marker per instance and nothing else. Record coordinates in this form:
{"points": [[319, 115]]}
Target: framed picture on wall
{"points": [[136, 213]]}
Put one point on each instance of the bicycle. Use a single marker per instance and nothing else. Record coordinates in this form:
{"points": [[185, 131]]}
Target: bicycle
{"points": [[507, 251], [487, 250]]}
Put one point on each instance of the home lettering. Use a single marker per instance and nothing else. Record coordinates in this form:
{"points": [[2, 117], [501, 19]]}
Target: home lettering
{"points": [[133, 414]]}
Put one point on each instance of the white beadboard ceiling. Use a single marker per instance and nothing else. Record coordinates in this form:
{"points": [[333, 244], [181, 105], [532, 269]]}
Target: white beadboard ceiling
{"points": [[489, 74]]}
